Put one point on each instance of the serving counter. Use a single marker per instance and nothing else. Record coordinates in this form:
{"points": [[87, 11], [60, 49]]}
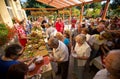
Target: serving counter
{"points": [[35, 48]]}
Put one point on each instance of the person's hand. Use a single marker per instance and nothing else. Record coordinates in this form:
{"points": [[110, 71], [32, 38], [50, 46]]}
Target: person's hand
{"points": [[73, 51], [78, 57], [25, 60], [51, 58], [32, 61]]}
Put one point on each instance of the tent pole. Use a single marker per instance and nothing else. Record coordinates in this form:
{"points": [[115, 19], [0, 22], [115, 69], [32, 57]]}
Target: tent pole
{"points": [[81, 12], [105, 9]]}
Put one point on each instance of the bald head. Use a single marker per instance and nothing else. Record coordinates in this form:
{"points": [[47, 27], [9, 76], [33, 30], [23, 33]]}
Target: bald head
{"points": [[112, 63], [116, 60], [100, 27]]}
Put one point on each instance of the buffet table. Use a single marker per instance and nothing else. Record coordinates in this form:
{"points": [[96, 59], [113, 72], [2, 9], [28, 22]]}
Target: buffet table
{"points": [[35, 49], [47, 74]]}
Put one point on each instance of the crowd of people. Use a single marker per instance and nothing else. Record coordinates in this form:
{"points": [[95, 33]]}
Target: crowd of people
{"points": [[84, 42]]}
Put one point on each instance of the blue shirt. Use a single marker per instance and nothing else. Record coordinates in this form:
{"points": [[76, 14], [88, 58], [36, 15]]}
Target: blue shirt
{"points": [[4, 66], [66, 41]]}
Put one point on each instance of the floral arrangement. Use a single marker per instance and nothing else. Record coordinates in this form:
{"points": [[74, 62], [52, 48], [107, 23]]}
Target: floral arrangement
{"points": [[6, 34]]}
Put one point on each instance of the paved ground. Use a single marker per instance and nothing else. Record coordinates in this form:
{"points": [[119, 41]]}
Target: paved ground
{"points": [[70, 73]]}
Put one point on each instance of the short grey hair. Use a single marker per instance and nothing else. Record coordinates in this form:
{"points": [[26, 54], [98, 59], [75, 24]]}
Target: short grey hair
{"points": [[53, 41]]}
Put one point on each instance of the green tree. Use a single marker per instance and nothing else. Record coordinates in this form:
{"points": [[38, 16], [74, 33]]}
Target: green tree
{"points": [[93, 10], [95, 5], [114, 8], [115, 4], [34, 4], [75, 11]]}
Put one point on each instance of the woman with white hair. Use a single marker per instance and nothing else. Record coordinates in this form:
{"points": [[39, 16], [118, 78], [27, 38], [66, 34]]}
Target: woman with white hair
{"points": [[80, 53], [50, 30]]}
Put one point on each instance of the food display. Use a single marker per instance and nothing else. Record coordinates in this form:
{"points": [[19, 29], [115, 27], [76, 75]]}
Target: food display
{"points": [[36, 52], [35, 45]]}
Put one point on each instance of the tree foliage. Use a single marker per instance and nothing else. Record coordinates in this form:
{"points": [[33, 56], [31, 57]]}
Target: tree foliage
{"points": [[75, 11], [115, 4], [34, 4], [97, 6], [93, 10], [114, 8]]}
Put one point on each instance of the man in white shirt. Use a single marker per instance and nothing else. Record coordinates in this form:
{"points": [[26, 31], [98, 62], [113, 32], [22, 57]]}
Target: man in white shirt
{"points": [[112, 66], [60, 55]]}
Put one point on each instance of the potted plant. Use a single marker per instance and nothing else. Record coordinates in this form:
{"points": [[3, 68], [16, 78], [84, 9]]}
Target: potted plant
{"points": [[6, 34]]}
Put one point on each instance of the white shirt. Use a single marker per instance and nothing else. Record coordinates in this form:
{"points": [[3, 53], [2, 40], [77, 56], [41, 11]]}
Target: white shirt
{"points": [[83, 50], [51, 31], [87, 37], [61, 53], [102, 74]]}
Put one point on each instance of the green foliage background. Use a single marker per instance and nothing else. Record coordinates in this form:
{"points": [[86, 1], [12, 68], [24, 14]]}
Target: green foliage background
{"points": [[114, 8], [3, 34]]}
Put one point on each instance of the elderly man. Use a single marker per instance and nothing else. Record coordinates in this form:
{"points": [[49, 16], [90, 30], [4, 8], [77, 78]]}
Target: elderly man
{"points": [[60, 55], [112, 66], [100, 28]]}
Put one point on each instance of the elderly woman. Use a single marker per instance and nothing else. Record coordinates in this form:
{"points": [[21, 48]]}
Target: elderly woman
{"points": [[64, 38], [80, 53], [50, 30], [61, 37]]}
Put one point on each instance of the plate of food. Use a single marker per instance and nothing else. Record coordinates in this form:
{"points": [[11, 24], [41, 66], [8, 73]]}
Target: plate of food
{"points": [[39, 59], [32, 67]]}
